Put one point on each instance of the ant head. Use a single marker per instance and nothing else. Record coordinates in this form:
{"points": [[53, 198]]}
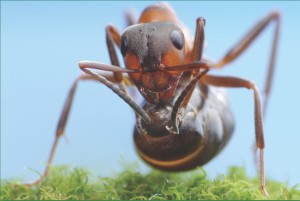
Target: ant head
{"points": [[150, 47]]}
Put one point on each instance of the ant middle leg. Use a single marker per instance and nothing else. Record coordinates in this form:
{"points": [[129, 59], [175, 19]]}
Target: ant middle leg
{"points": [[64, 118], [235, 82], [248, 39], [112, 36]]}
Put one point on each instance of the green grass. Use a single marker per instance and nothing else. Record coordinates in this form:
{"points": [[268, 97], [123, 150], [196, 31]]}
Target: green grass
{"points": [[66, 183]]}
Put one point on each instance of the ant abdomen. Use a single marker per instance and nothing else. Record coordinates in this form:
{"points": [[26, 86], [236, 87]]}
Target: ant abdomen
{"points": [[203, 132], [170, 152]]}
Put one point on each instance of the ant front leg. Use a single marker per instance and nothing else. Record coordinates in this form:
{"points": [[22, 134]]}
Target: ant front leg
{"points": [[196, 55], [222, 81], [185, 95], [197, 51], [244, 43], [113, 36]]}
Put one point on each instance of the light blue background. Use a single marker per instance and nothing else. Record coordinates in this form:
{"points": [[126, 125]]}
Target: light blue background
{"points": [[42, 42]]}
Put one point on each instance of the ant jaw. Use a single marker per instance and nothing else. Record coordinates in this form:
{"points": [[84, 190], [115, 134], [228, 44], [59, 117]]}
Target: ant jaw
{"points": [[157, 81], [160, 121], [158, 97], [157, 86], [151, 96], [173, 130]]}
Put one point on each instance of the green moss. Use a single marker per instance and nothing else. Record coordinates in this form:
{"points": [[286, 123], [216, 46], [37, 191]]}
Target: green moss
{"points": [[66, 183]]}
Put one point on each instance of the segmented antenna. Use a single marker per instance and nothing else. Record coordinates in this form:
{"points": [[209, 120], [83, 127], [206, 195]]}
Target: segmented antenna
{"points": [[145, 116], [180, 100]]}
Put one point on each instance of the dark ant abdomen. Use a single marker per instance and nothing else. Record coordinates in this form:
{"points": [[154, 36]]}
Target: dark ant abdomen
{"points": [[205, 128]]}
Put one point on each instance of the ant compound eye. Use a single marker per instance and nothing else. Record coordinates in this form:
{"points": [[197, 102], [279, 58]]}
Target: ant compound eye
{"points": [[124, 46], [177, 40]]}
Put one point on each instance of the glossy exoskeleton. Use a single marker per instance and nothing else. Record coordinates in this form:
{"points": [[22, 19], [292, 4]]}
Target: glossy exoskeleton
{"points": [[185, 119]]}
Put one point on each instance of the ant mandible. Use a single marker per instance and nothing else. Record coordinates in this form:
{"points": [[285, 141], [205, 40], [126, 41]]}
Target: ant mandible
{"points": [[185, 120]]}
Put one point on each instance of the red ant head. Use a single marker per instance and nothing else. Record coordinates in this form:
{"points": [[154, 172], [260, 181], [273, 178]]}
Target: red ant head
{"points": [[150, 47]]}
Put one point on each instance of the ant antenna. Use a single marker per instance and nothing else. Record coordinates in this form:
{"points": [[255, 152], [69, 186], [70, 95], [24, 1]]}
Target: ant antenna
{"points": [[84, 65], [176, 113]]}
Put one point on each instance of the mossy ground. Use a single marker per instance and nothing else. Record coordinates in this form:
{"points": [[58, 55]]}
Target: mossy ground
{"points": [[66, 183]]}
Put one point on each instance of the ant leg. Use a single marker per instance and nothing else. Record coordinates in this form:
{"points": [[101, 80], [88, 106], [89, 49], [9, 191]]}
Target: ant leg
{"points": [[197, 51], [184, 97], [63, 121], [222, 81], [113, 36], [244, 43], [196, 55], [85, 65], [130, 19], [178, 106]]}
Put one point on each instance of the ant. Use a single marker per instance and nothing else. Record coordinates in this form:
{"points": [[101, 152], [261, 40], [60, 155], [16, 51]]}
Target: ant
{"points": [[185, 119]]}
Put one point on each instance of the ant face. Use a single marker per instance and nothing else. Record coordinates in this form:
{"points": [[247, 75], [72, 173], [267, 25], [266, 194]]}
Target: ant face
{"points": [[151, 47]]}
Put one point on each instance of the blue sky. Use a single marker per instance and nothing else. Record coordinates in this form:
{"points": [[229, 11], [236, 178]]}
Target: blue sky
{"points": [[42, 42]]}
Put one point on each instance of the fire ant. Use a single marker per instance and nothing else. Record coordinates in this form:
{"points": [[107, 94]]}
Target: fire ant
{"points": [[185, 119]]}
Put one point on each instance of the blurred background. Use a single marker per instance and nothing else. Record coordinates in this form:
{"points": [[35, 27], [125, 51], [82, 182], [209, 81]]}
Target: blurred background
{"points": [[42, 42]]}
